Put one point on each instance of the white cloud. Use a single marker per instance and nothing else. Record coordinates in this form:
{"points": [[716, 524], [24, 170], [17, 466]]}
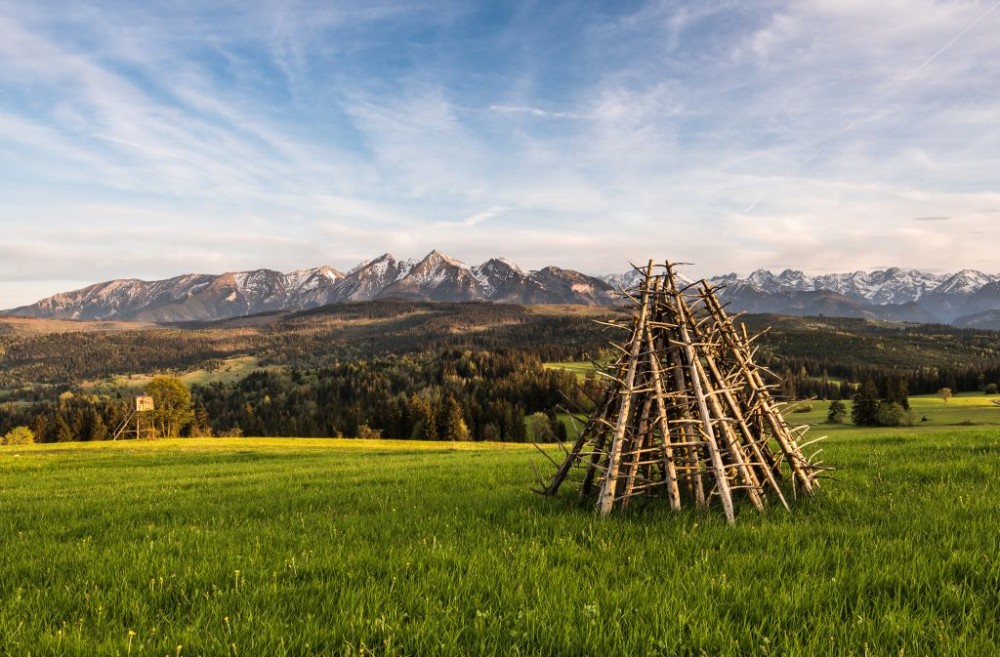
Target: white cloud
{"points": [[289, 136]]}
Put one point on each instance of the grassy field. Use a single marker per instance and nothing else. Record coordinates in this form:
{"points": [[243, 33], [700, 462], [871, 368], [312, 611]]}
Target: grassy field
{"points": [[580, 369], [928, 413], [32, 326], [341, 547], [227, 371]]}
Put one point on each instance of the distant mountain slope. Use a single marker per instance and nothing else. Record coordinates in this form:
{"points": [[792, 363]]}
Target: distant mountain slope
{"points": [[437, 277], [189, 297], [891, 294], [989, 319]]}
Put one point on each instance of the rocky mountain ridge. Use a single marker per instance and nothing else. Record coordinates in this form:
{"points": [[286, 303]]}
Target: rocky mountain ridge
{"points": [[891, 294], [965, 298], [436, 277]]}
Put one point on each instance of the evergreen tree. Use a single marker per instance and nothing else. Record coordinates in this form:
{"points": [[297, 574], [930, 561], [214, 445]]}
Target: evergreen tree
{"points": [[893, 389], [452, 424], [423, 426], [63, 431], [40, 428], [864, 413], [200, 426], [96, 427]]}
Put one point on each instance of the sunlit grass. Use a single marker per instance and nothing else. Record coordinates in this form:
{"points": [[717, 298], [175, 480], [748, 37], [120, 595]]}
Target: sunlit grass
{"points": [[580, 369], [328, 547], [928, 412], [227, 371]]}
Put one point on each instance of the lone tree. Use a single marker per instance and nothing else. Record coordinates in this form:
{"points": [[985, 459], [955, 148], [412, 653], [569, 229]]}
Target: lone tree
{"points": [[837, 412], [172, 403], [945, 394]]}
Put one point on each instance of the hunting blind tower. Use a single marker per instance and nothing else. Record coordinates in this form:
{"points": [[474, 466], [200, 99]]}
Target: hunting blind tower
{"points": [[141, 406], [686, 415]]}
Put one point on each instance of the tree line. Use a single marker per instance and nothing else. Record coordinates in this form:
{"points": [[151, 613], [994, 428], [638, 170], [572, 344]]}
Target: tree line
{"points": [[405, 369], [504, 395]]}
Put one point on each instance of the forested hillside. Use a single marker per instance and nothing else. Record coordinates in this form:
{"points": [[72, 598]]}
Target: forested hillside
{"points": [[420, 370], [814, 355]]}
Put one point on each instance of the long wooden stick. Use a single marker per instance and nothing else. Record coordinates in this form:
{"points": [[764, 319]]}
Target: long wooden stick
{"points": [[737, 348], [721, 481], [664, 425], [606, 498]]}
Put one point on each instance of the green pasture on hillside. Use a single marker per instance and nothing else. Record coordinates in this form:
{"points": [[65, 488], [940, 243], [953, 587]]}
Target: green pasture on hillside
{"points": [[581, 369], [227, 370], [341, 547], [927, 412]]}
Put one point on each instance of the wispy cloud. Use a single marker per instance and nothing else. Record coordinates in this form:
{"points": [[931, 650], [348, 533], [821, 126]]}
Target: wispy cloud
{"points": [[534, 111], [814, 134]]}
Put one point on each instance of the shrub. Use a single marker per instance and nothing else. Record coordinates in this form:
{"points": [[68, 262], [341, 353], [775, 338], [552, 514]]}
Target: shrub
{"points": [[365, 431], [19, 436], [893, 415], [803, 408], [991, 389], [540, 429]]}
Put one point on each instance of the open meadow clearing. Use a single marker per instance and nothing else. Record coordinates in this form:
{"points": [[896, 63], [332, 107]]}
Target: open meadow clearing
{"points": [[329, 547]]}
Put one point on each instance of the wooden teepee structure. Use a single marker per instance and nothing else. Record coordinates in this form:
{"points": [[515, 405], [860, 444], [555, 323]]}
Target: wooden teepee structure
{"points": [[687, 415]]}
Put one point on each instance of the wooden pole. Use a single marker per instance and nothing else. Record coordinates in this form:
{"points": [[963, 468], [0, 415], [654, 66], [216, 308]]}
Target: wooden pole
{"points": [[721, 480], [664, 425], [607, 496], [574, 453], [770, 412]]}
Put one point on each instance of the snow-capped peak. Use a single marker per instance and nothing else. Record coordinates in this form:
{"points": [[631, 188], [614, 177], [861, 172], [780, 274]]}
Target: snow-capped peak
{"points": [[964, 282], [436, 256]]}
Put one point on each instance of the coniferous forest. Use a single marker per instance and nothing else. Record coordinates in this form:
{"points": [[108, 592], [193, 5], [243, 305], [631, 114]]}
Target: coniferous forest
{"points": [[417, 370]]}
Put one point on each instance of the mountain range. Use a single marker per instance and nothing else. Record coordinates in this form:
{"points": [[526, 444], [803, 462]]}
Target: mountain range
{"points": [[966, 298], [436, 277]]}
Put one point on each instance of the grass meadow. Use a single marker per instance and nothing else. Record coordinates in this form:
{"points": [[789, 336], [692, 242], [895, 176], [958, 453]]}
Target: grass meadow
{"points": [[349, 547]]}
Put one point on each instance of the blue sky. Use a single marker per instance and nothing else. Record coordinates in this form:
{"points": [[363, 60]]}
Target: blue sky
{"points": [[159, 138]]}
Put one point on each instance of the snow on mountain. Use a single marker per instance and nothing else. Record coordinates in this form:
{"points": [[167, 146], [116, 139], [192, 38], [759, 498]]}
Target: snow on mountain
{"points": [[763, 280], [624, 281], [305, 280], [368, 279], [983, 300], [893, 293], [500, 280], [568, 286], [890, 292], [436, 277], [888, 286], [965, 282]]}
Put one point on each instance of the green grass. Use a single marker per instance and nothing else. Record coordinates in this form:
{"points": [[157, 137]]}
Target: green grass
{"points": [[229, 370], [581, 369], [330, 547], [964, 409]]}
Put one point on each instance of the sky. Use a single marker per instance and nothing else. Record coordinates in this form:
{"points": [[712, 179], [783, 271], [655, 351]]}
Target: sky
{"points": [[152, 139]]}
